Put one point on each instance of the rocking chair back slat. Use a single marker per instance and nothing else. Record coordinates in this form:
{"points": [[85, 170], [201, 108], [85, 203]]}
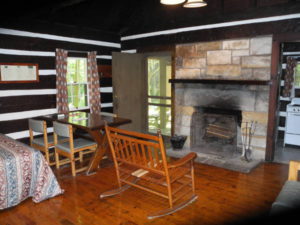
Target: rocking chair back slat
{"points": [[138, 151], [143, 157]]}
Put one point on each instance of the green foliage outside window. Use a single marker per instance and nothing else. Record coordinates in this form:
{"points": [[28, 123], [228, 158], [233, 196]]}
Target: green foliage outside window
{"points": [[297, 75], [159, 92], [77, 83]]}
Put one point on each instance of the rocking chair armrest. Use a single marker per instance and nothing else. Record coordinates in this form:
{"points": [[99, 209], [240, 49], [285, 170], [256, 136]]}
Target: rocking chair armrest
{"points": [[189, 157]]}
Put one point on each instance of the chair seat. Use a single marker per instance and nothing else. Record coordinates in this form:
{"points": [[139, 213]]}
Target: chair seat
{"points": [[40, 140], [174, 173], [78, 143]]}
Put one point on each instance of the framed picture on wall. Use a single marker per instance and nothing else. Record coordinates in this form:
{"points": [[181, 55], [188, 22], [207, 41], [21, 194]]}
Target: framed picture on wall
{"points": [[19, 73]]}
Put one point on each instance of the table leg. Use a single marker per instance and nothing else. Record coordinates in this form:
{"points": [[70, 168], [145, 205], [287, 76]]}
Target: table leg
{"points": [[100, 138]]}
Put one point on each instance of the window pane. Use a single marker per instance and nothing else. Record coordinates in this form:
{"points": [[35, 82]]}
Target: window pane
{"points": [[159, 73], [159, 117], [153, 77], [77, 82], [297, 75], [159, 101]]}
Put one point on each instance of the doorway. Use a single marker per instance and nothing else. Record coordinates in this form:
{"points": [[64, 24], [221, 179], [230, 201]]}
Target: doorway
{"points": [[159, 99], [287, 146], [142, 92]]}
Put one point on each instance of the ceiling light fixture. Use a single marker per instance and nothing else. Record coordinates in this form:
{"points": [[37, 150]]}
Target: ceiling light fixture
{"points": [[171, 2], [194, 3]]}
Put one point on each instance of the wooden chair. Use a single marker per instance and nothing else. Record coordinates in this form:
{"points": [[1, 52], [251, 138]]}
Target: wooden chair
{"points": [[43, 143], [71, 147], [140, 161]]}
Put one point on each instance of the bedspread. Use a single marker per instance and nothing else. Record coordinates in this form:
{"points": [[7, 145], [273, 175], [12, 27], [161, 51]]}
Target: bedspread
{"points": [[24, 173]]}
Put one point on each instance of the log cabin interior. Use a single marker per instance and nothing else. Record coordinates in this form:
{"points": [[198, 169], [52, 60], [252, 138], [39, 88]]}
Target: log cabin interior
{"points": [[205, 96]]}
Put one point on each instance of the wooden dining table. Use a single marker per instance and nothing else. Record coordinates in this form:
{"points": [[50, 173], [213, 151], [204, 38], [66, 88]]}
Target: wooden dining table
{"points": [[93, 124]]}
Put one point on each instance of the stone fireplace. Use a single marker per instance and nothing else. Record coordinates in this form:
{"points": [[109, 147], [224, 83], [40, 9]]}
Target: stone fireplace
{"points": [[212, 113], [215, 131]]}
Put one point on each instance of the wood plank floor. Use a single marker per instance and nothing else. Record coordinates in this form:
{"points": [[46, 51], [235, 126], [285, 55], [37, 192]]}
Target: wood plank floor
{"points": [[224, 197]]}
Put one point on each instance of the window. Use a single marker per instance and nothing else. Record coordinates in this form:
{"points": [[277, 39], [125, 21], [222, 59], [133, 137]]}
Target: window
{"points": [[159, 94], [77, 83], [297, 75]]}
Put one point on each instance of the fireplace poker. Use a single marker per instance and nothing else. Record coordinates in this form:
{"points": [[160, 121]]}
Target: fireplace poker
{"points": [[246, 139]]}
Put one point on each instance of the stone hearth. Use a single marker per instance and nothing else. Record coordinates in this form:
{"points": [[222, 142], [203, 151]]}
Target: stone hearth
{"points": [[242, 59]]}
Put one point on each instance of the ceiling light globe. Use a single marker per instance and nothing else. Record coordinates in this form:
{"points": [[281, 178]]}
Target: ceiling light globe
{"points": [[194, 3], [171, 2]]}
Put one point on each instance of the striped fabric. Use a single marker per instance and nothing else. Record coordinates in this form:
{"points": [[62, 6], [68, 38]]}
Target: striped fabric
{"points": [[61, 81], [24, 173], [289, 77], [94, 86]]}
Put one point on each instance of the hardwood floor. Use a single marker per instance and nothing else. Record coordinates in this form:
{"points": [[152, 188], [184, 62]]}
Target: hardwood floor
{"points": [[223, 197]]}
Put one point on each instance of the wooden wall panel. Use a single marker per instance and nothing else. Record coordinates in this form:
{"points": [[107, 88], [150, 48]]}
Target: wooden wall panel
{"points": [[231, 32], [41, 44], [19, 101], [12, 126], [270, 2], [27, 103], [45, 82], [235, 6], [106, 97]]}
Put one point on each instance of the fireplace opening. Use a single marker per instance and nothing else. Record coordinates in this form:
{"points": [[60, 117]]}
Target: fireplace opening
{"points": [[216, 131]]}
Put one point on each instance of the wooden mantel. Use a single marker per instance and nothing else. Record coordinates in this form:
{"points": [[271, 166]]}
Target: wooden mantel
{"points": [[214, 81]]}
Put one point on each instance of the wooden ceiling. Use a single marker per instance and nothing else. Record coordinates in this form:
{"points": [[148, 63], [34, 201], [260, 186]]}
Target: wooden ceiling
{"points": [[127, 17]]}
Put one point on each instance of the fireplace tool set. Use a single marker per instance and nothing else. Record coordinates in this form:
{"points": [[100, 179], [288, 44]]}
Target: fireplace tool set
{"points": [[247, 132]]}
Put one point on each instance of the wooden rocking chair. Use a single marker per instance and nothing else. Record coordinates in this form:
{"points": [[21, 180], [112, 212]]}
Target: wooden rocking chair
{"points": [[140, 161]]}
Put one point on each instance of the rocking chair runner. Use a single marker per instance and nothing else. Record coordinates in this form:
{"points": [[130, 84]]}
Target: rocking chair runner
{"points": [[140, 161]]}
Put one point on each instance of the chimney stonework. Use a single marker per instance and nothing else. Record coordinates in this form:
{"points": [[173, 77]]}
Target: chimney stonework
{"points": [[241, 59]]}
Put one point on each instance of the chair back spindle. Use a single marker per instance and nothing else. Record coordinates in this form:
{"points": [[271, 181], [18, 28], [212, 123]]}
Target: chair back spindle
{"points": [[140, 161], [138, 150]]}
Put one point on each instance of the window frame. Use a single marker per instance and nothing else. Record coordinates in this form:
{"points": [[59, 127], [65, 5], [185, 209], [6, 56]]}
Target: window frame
{"points": [[159, 97], [87, 85]]}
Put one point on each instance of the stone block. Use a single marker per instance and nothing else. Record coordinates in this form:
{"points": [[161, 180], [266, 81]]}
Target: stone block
{"points": [[224, 70], [238, 99], [187, 73], [258, 153], [179, 93], [206, 46], [177, 129], [259, 141], [203, 71], [260, 117], [256, 61], [243, 52], [177, 120], [219, 57], [246, 73], [262, 101], [184, 110], [261, 46], [262, 74], [189, 50], [236, 60], [261, 129], [194, 62], [184, 130], [178, 62], [236, 44]]}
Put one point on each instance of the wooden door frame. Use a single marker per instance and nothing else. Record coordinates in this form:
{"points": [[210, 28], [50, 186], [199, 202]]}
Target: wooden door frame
{"points": [[272, 128], [159, 51]]}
